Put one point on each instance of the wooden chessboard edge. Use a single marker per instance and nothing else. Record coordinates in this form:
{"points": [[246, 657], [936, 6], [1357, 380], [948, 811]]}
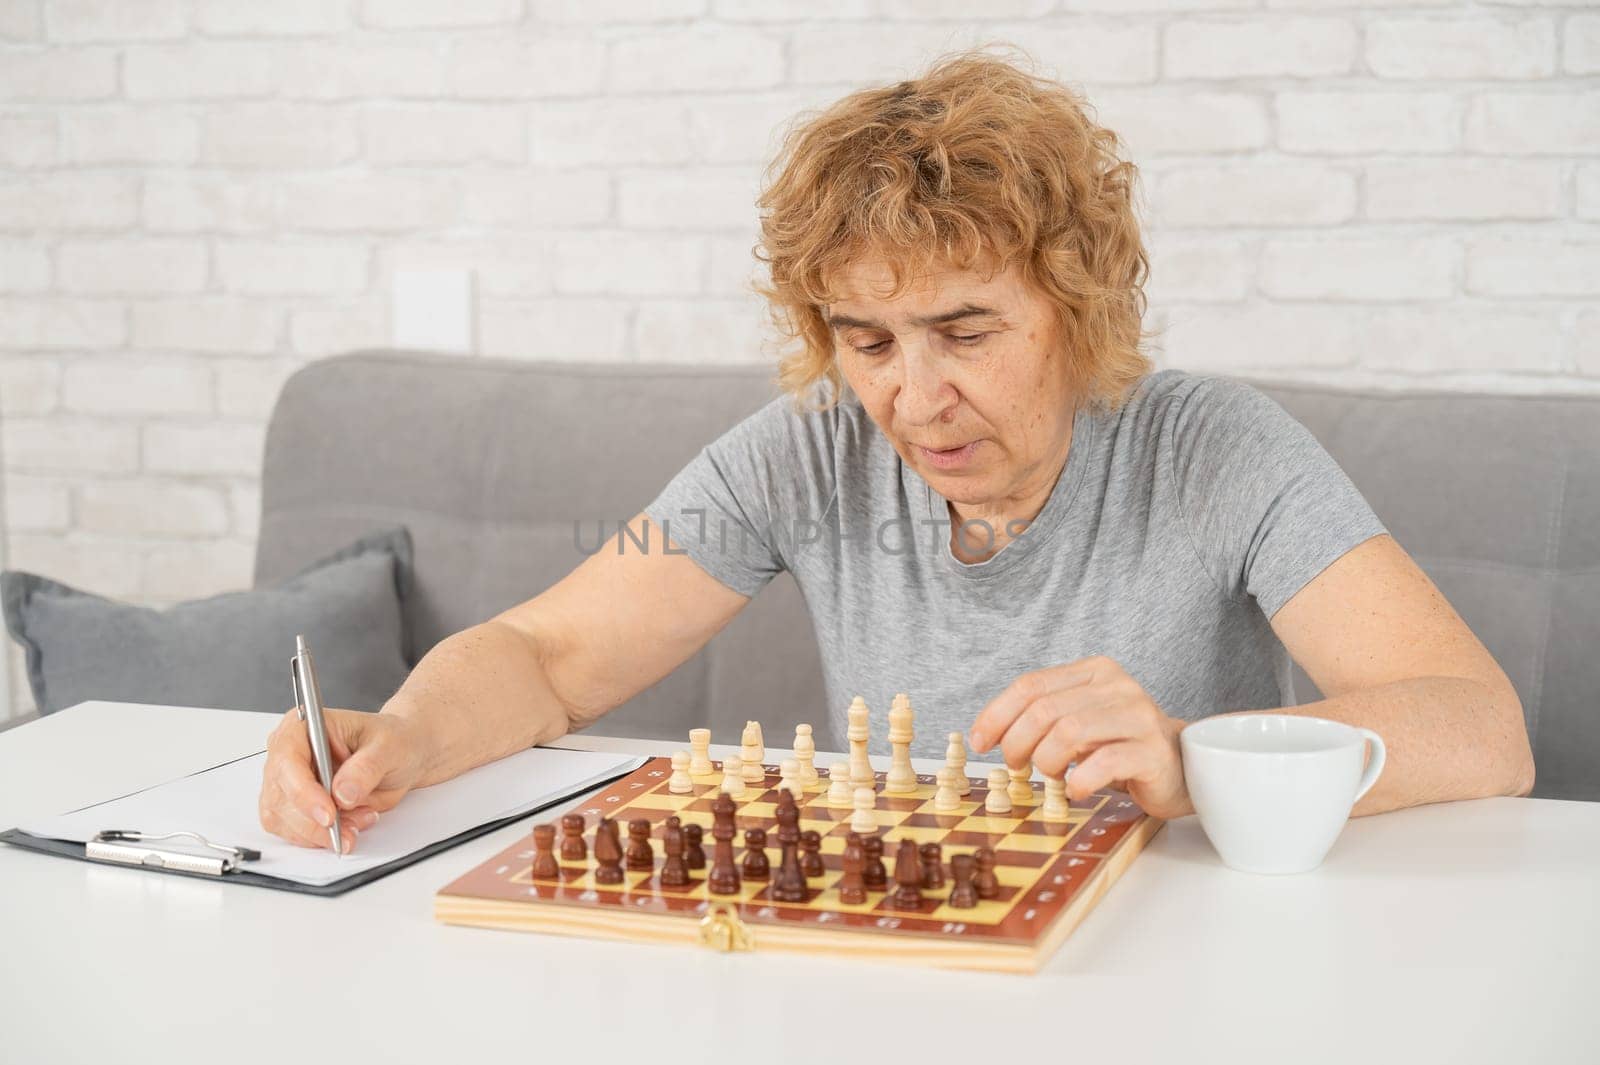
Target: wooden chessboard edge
{"points": [[679, 929], [1111, 869]]}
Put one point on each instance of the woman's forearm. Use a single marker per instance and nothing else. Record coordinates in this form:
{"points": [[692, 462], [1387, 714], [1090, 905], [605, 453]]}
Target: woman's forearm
{"points": [[1446, 738], [479, 695]]}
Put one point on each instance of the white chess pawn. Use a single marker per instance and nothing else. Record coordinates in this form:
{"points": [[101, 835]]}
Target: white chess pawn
{"points": [[754, 753], [840, 793], [955, 756], [791, 778], [1019, 789], [947, 798], [863, 820], [1056, 807], [700, 744], [733, 776], [998, 802], [805, 751], [680, 784]]}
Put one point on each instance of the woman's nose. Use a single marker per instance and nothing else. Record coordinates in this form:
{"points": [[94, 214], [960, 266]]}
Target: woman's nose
{"points": [[924, 394]]}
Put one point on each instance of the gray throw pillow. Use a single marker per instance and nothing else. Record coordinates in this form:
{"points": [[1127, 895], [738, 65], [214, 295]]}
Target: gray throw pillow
{"points": [[230, 650]]}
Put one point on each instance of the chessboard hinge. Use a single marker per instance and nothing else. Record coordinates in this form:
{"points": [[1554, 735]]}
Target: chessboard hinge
{"points": [[723, 930]]}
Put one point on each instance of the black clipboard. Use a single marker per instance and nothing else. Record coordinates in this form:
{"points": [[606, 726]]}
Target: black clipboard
{"points": [[69, 849]]}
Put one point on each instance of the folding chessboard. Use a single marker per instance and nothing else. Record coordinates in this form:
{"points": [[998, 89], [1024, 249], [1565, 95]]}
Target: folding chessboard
{"points": [[1051, 874]]}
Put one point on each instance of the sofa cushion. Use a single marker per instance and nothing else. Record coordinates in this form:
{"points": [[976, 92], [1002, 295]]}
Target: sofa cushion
{"points": [[230, 650]]}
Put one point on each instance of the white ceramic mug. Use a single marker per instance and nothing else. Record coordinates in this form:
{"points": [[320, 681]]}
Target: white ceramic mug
{"points": [[1274, 790]]}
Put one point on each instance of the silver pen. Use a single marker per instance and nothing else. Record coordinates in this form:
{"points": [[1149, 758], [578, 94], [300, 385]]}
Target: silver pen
{"points": [[308, 705]]}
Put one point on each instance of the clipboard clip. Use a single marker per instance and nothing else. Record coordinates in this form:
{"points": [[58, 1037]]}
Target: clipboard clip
{"points": [[112, 845]]}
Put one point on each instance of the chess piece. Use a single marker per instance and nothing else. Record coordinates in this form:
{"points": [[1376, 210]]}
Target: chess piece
{"points": [[859, 733], [852, 891], [607, 853], [811, 853], [840, 793], [1019, 789], [756, 866], [985, 882], [639, 856], [680, 782], [753, 753], [724, 878], [789, 780], [1056, 807], [964, 895], [998, 800], [873, 874], [901, 778], [789, 885], [573, 848], [545, 866], [788, 818], [907, 877], [675, 871], [947, 798], [955, 756], [700, 759], [733, 776], [805, 752], [863, 820], [693, 855], [932, 866]]}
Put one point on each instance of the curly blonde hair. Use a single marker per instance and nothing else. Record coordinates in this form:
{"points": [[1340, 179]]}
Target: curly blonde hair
{"points": [[977, 163]]}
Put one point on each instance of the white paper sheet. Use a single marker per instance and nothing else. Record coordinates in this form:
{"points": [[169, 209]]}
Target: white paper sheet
{"points": [[220, 804]]}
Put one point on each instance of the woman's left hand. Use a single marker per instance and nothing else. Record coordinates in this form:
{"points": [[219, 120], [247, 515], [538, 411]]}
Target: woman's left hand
{"points": [[1093, 713]]}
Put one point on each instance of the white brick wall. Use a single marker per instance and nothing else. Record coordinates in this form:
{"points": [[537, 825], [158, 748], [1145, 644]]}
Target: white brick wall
{"points": [[199, 196]]}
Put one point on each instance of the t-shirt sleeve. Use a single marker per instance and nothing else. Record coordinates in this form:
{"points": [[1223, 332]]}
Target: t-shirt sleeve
{"points": [[1266, 506], [752, 499]]}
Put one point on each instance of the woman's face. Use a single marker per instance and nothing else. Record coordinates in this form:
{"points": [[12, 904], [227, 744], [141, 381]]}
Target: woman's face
{"points": [[963, 377]]}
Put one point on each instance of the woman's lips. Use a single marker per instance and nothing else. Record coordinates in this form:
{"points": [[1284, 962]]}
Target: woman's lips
{"points": [[947, 458]]}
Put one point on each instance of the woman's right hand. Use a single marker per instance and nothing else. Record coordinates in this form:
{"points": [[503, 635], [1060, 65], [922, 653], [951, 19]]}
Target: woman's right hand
{"points": [[377, 758]]}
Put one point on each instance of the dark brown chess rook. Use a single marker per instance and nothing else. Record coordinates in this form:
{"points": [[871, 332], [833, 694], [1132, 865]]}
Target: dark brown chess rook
{"points": [[873, 873], [693, 855], [674, 873], [932, 866], [907, 877], [756, 864], [964, 896], [790, 883], [852, 892], [724, 877], [640, 856], [811, 854], [573, 848], [545, 866], [986, 883], [607, 853]]}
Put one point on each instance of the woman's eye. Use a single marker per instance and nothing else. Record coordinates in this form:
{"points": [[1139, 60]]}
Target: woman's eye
{"points": [[872, 349], [969, 339]]}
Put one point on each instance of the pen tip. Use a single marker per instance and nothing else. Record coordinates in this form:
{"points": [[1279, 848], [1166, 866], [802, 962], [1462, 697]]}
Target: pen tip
{"points": [[299, 644]]}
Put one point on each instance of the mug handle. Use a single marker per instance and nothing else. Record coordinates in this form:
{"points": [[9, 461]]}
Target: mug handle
{"points": [[1374, 767]]}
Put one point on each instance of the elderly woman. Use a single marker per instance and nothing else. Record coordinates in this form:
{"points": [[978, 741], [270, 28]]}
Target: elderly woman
{"points": [[986, 497]]}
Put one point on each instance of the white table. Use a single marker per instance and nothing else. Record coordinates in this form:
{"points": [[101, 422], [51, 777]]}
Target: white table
{"points": [[1460, 932]]}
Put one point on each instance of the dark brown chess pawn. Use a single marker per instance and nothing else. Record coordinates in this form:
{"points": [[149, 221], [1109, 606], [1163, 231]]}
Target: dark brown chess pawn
{"points": [[693, 856], [852, 892], [907, 877], [640, 856], [573, 849], [724, 878], [986, 883], [964, 896], [932, 866], [811, 854], [756, 864], [674, 873], [873, 873], [545, 866], [790, 883], [607, 853]]}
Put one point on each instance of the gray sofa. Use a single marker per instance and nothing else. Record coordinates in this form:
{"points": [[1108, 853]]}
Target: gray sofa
{"points": [[493, 464]]}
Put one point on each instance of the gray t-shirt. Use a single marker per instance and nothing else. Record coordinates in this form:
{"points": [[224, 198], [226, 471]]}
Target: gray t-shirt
{"points": [[1178, 526]]}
